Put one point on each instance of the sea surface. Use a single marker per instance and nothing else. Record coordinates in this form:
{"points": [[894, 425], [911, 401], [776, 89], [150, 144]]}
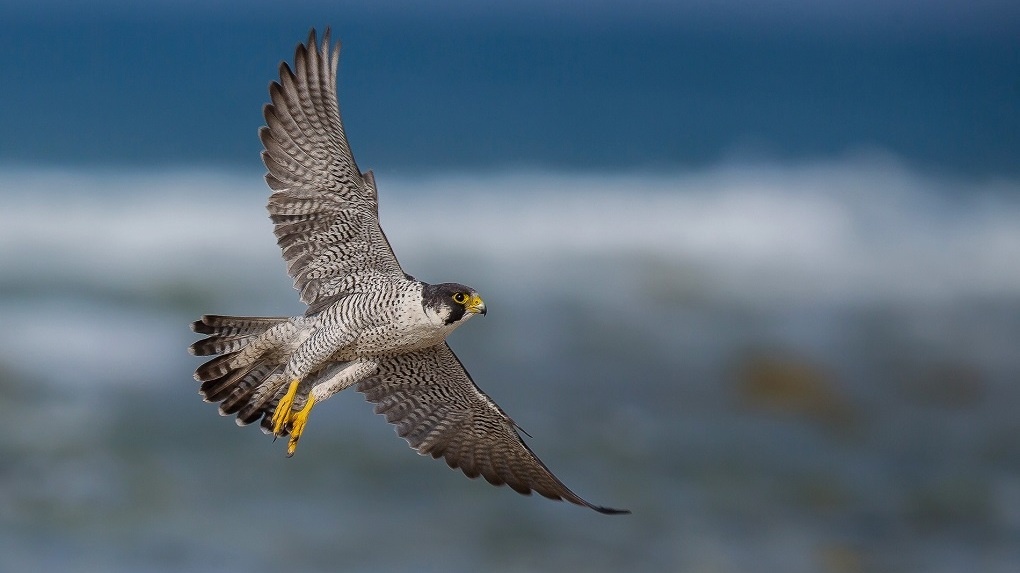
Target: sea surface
{"points": [[783, 366]]}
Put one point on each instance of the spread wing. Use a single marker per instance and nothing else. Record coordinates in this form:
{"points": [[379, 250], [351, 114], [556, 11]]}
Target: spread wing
{"points": [[438, 409], [325, 211]]}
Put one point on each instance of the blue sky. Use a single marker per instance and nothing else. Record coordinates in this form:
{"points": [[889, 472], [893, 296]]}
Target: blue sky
{"points": [[568, 85]]}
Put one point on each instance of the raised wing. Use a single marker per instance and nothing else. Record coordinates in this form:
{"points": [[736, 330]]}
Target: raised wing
{"points": [[325, 211], [439, 410]]}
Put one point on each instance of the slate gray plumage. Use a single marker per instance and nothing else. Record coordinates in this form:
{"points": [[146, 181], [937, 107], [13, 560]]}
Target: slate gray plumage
{"points": [[368, 323]]}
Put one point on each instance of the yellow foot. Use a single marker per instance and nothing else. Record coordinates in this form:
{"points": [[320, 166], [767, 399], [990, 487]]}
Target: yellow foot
{"points": [[282, 414], [297, 425]]}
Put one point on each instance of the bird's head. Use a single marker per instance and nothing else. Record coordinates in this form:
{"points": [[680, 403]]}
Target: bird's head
{"points": [[451, 303]]}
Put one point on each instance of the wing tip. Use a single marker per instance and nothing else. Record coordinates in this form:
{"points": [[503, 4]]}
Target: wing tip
{"points": [[572, 497], [286, 73], [609, 510], [312, 48], [325, 46], [526, 489]]}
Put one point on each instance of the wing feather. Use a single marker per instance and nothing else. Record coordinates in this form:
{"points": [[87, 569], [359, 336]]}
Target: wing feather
{"points": [[438, 409], [324, 210]]}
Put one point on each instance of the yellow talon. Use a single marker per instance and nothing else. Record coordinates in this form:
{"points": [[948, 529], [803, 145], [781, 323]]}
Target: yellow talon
{"points": [[282, 414], [297, 425]]}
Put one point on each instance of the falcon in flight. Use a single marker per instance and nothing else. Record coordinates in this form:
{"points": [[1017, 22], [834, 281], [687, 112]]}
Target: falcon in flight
{"points": [[369, 324]]}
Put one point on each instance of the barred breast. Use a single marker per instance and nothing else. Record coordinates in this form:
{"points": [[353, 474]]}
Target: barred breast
{"points": [[388, 321]]}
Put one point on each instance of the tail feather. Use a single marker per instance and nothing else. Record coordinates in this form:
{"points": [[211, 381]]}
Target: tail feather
{"points": [[217, 389], [220, 325], [220, 345], [216, 368], [236, 400], [242, 392], [273, 388], [244, 377]]}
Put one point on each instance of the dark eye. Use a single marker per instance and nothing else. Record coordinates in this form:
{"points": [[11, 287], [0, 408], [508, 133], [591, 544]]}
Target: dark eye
{"points": [[459, 298]]}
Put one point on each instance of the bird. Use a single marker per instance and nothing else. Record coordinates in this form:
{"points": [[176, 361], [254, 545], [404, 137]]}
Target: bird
{"points": [[368, 324]]}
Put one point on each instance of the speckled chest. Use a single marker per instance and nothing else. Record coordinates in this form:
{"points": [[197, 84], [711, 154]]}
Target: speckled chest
{"points": [[389, 321]]}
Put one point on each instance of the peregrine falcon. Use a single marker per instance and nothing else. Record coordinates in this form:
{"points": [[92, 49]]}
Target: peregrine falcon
{"points": [[368, 324]]}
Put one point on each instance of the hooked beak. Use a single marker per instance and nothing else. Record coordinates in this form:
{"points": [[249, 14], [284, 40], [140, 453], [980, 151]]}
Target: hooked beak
{"points": [[475, 304]]}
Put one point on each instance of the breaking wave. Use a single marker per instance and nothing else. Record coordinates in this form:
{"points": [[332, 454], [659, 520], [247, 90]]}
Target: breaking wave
{"points": [[844, 231]]}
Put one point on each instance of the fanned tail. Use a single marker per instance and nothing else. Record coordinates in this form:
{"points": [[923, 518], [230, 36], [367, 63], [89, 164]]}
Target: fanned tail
{"points": [[246, 377]]}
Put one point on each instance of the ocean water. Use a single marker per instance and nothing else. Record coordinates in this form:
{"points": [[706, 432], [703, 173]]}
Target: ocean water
{"points": [[608, 86], [791, 367]]}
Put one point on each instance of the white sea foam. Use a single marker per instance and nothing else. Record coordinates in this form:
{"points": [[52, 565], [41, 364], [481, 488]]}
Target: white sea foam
{"points": [[106, 258], [827, 231]]}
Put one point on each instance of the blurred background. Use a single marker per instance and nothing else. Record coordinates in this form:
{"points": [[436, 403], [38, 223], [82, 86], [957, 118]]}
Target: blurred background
{"points": [[752, 272]]}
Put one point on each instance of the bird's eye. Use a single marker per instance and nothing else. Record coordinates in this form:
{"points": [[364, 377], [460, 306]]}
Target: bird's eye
{"points": [[459, 298]]}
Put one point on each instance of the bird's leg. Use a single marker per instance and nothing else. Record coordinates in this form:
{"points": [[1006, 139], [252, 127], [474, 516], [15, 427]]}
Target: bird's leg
{"points": [[282, 414], [306, 364], [297, 424]]}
